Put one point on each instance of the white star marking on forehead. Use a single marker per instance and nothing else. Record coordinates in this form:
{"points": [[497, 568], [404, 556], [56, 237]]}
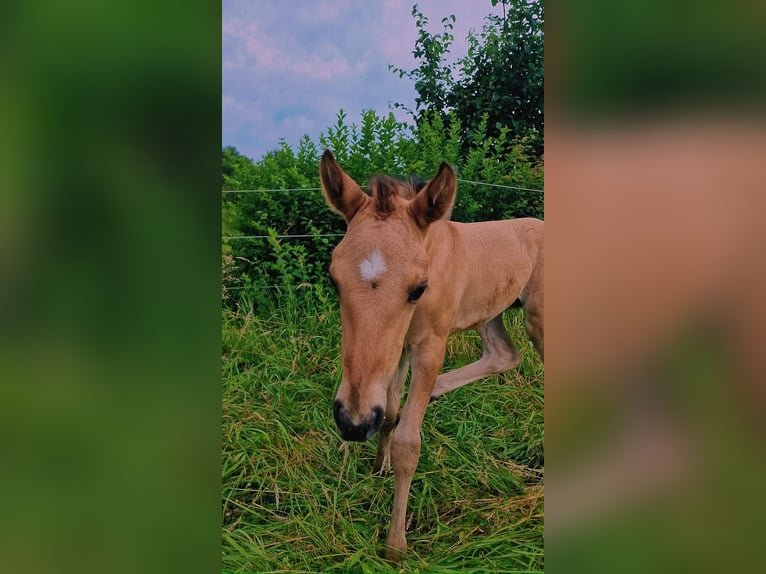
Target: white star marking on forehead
{"points": [[373, 266]]}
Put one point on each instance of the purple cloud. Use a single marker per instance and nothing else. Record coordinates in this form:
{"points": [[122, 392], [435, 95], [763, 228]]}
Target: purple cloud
{"points": [[289, 67]]}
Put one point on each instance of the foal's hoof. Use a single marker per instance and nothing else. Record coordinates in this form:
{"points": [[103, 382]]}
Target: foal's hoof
{"points": [[396, 546], [433, 398], [393, 555]]}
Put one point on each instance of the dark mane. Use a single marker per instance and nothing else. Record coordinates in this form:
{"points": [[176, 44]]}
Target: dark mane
{"points": [[383, 188]]}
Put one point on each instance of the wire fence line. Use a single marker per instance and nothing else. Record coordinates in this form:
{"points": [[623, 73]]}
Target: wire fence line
{"points": [[501, 186], [297, 236], [307, 236], [293, 287], [276, 190], [271, 190]]}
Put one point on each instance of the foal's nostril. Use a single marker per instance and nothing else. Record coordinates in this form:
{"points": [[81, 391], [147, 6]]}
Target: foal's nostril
{"points": [[356, 432], [341, 419], [377, 421]]}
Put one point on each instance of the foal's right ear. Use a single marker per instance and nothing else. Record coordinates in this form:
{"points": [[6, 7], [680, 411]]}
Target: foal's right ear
{"points": [[342, 193], [436, 199]]}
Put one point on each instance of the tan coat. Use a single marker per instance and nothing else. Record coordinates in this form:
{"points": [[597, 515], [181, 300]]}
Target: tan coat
{"points": [[407, 277]]}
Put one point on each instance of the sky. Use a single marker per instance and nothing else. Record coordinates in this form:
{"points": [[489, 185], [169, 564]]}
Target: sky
{"points": [[289, 66]]}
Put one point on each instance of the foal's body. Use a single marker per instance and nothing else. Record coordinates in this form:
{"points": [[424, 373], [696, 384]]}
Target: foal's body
{"points": [[407, 278]]}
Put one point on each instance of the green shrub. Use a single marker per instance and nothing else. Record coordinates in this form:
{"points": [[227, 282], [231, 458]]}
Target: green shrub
{"points": [[273, 259]]}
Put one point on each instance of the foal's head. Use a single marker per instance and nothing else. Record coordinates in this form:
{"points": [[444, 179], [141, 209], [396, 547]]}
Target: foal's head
{"points": [[380, 271]]}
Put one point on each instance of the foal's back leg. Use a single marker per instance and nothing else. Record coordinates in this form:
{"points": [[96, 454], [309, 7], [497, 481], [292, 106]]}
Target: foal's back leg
{"points": [[534, 307], [499, 355]]}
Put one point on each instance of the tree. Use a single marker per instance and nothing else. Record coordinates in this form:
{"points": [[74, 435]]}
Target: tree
{"points": [[501, 76]]}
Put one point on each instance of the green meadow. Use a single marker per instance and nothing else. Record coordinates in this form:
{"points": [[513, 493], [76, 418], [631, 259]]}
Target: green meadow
{"points": [[296, 498]]}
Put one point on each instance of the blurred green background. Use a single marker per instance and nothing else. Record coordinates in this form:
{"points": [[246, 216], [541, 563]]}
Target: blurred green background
{"points": [[655, 395], [109, 286], [620, 60]]}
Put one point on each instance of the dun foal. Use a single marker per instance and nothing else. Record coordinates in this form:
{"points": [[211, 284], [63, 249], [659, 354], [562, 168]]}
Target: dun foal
{"points": [[406, 278]]}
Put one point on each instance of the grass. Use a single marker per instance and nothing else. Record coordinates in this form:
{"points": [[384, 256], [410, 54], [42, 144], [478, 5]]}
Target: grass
{"points": [[298, 499]]}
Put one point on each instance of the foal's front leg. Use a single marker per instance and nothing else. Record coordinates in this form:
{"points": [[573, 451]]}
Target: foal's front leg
{"points": [[427, 359], [390, 418]]}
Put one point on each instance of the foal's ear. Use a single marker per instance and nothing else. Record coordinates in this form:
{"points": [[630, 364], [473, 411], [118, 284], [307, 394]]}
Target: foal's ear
{"points": [[341, 192], [436, 199]]}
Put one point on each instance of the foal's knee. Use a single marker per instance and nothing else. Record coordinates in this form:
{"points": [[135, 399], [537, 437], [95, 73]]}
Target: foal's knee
{"points": [[499, 353], [504, 360], [405, 451]]}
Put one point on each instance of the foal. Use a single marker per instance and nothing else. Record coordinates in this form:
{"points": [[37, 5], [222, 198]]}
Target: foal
{"points": [[406, 278]]}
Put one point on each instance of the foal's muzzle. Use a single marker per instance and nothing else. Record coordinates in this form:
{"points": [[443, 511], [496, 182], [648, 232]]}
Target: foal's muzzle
{"points": [[357, 432]]}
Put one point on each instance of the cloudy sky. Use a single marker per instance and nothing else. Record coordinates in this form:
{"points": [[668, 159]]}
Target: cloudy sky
{"points": [[290, 65]]}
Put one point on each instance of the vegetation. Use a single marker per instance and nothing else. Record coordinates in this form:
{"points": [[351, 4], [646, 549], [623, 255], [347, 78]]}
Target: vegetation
{"points": [[499, 81], [268, 260], [298, 499], [295, 497]]}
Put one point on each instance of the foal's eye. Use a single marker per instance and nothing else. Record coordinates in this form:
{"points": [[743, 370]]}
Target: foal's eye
{"points": [[416, 293]]}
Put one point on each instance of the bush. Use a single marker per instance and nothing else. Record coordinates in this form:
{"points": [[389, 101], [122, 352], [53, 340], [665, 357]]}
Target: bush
{"points": [[276, 257]]}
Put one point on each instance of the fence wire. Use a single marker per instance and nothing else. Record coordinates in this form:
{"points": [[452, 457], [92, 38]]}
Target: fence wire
{"points": [[286, 189], [306, 236], [297, 236]]}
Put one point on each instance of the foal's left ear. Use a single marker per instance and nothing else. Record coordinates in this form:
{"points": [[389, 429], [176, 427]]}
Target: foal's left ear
{"points": [[342, 193], [436, 199]]}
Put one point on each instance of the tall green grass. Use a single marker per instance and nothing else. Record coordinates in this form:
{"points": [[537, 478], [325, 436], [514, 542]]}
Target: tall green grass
{"points": [[298, 499]]}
